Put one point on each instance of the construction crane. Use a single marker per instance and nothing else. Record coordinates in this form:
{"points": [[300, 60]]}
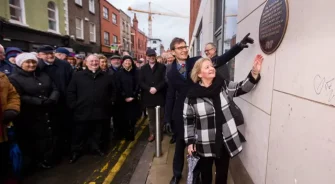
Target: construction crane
{"points": [[150, 13]]}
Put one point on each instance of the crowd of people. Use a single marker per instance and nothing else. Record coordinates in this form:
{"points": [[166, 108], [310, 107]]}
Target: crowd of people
{"points": [[61, 104]]}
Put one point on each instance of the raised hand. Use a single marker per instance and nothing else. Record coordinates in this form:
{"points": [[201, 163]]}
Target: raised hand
{"points": [[244, 42], [257, 66]]}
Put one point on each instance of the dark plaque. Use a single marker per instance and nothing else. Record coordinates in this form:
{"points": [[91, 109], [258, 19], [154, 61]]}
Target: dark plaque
{"points": [[273, 25]]}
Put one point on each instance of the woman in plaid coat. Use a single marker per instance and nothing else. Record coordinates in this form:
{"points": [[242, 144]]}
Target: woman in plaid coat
{"points": [[210, 128]]}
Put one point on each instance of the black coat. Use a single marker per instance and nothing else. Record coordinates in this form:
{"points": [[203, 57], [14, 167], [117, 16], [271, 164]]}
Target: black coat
{"points": [[112, 71], [223, 70], [152, 77], [128, 86], [178, 88], [90, 96], [35, 89], [60, 72]]}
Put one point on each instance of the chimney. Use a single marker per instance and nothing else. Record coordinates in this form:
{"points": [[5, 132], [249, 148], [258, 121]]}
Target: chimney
{"points": [[135, 22]]}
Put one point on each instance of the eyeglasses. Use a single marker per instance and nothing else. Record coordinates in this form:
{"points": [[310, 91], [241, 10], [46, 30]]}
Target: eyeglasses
{"points": [[182, 48], [209, 49]]}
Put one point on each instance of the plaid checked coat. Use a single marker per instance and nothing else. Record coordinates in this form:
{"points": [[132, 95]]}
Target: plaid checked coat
{"points": [[199, 119]]}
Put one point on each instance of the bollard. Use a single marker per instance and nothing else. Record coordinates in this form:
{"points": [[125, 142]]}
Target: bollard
{"points": [[158, 133]]}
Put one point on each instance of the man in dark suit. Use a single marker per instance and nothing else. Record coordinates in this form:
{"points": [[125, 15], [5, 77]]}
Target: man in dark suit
{"points": [[152, 83], [179, 82]]}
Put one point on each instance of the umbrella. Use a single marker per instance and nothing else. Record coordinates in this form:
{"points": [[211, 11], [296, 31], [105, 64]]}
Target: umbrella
{"points": [[14, 151], [192, 161]]}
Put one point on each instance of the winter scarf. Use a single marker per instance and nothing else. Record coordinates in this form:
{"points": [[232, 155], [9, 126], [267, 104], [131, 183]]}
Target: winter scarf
{"points": [[213, 92]]}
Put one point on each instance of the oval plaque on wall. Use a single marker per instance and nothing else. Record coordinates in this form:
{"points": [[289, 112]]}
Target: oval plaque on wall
{"points": [[273, 25]]}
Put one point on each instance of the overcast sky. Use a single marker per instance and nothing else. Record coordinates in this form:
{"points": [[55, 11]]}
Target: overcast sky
{"points": [[163, 27]]}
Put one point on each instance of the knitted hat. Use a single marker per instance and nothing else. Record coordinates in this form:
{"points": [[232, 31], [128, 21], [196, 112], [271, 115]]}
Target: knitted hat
{"points": [[24, 57], [63, 51], [12, 52]]}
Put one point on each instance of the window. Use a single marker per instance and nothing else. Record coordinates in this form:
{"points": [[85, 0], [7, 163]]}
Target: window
{"points": [[52, 16], [139, 43], [105, 12], [114, 39], [114, 18], [199, 42], [79, 2], [16, 8], [106, 38], [92, 33], [154, 41], [91, 6], [218, 14], [230, 29], [79, 28]]}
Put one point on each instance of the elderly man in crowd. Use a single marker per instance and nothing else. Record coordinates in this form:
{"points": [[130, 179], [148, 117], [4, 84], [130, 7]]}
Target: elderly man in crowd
{"points": [[62, 53], [211, 52], [60, 72], [152, 83], [90, 95]]}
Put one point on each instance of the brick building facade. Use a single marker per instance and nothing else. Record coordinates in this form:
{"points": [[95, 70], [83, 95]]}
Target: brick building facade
{"points": [[110, 26], [194, 9], [125, 34], [84, 26], [139, 40]]}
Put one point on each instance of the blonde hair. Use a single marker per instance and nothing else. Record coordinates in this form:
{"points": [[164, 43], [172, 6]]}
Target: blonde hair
{"points": [[197, 68], [100, 56]]}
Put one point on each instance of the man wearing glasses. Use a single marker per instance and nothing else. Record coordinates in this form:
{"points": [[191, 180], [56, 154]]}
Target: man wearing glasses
{"points": [[179, 83], [60, 72], [211, 52]]}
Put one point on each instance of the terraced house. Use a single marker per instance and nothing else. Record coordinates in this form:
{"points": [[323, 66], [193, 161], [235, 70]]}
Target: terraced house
{"points": [[29, 24]]}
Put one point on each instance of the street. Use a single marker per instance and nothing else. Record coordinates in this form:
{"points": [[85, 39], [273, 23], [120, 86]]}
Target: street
{"points": [[116, 167]]}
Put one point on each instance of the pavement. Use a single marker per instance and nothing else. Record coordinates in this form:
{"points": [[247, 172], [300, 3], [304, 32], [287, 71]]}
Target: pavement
{"points": [[159, 170], [121, 160], [126, 162]]}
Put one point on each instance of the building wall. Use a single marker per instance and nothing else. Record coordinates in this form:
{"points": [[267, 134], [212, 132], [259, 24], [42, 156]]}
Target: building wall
{"points": [[194, 9], [142, 48], [83, 12], [36, 14], [139, 40], [125, 32], [203, 24], [156, 45], [294, 124], [108, 25], [289, 116]]}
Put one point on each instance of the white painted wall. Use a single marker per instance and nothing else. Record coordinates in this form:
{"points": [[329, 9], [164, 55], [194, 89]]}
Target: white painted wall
{"points": [[205, 19], [290, 122], [155, 46]]}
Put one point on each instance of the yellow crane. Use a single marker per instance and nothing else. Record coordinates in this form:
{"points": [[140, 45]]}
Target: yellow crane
{"points": [[150, 13]]}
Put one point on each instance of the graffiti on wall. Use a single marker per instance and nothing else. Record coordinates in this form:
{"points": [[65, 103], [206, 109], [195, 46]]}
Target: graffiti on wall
{"points": [[324, 87]]}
